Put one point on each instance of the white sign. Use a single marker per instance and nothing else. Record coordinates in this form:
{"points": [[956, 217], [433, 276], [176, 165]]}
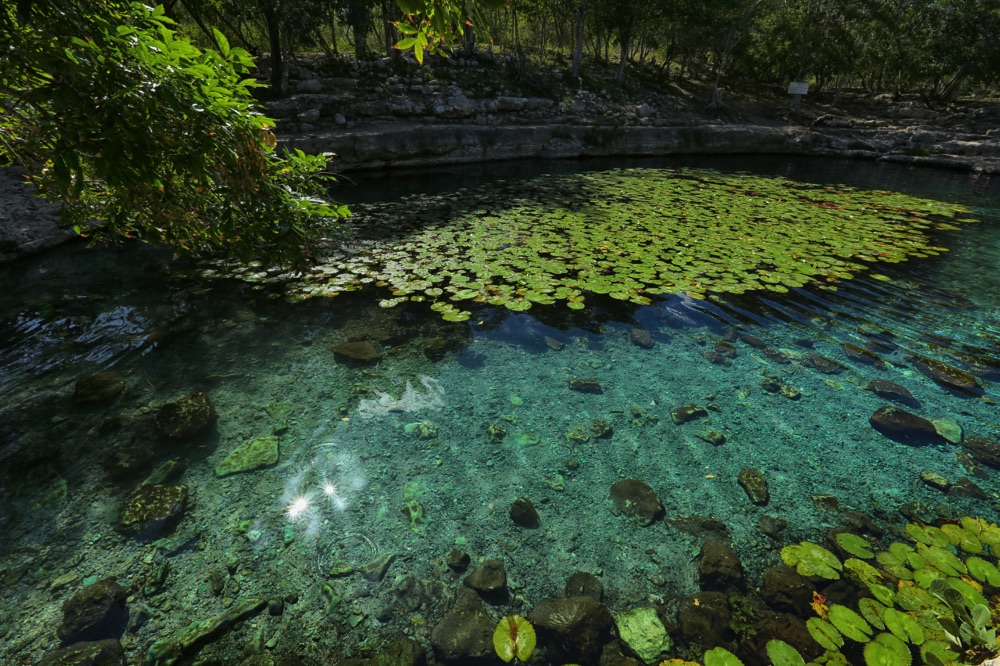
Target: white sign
{"points": [[798, 88]]}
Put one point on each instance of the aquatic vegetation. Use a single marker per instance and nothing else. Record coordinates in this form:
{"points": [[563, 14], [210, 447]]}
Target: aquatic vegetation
{"points": [[630, 234], [938, 608], [514, 638]]}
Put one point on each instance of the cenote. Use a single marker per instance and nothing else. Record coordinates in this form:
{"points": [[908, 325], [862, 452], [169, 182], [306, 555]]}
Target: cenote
{"points": [[748, 394]]}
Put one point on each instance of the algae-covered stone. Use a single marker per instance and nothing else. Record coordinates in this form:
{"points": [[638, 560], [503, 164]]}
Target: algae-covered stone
{"points": [[98, 387], [687, 413], [152, 509], [186, 417], [634, 498], [946, 375], [643, 632], [250, 455], [185, 643], [755, 485], [949, 429]]}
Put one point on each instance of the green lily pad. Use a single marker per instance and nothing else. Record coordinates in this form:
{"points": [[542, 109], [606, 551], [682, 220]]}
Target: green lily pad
{"points": [[628, 233]]}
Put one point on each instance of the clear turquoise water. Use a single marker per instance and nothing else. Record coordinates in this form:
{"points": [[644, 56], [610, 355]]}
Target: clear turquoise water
{"points": [[76, 311]]}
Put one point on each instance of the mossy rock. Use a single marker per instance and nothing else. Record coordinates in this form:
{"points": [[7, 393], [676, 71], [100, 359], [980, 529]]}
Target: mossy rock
{"points": [[250, 455]]}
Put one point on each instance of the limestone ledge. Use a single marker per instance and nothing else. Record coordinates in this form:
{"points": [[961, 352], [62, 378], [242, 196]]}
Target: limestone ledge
{"points": [[400, 145]]}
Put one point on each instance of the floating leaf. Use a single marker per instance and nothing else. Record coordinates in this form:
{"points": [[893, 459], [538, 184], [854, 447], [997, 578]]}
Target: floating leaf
{"points": [[903, 626], [617, 232], [942, 559], [855, 545], [721, 657], [864, 572], [849, 623], [965, 540], [810, 559], [983, 571], [824, 633], [872, 611], [514, 638], [783, 654], [887, 650]]}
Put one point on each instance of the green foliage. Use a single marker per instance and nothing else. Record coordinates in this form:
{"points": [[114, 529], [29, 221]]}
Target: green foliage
{"points": [[824, 633], [721, 657], [937, 607], [850, 624], [855, 545], [887, 650], [812, 560], [514, 638], [783, 654], [145, 136]]}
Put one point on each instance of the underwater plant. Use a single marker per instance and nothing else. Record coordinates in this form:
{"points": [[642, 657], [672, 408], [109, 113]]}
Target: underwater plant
{"points": [[514, 638], [927, 599]]}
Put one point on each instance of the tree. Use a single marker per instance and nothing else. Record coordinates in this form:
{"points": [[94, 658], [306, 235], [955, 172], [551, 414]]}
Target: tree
{"points": [[143, 135]]}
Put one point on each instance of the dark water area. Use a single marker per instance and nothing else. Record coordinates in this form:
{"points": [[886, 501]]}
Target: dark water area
{"points": [[368, 478]]}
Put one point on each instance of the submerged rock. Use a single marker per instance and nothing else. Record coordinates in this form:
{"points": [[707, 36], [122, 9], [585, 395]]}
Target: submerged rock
{"points": [[755, 485], [577, 626], [966, 487], [585, 385], [361, 351], [635, 499], [986, 451], [862, 355], [98, 387], [902, 426], [703, 619], [153, 509], [883, 388], [720, 568], [935, 480], [186, 417], [785, 589], [946, 375], [774, 385], [250, 455], [640, 337], [107, 652], [186, 642], [489, 578], [643, 632], [949, 429], [687, 413], [523, 513], [584, 583], [95, 612], [822, 364]]}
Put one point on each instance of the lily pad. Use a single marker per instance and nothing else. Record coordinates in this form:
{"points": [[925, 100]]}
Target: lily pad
{"points": [[624, 232]]}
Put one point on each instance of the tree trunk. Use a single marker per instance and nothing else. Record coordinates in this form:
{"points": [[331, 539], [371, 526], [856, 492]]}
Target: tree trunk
{"points": [[581, 15], [274, 40]]}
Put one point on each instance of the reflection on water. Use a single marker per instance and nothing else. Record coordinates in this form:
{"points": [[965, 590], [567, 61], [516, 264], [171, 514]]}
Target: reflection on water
{"points": [[402, 442]]}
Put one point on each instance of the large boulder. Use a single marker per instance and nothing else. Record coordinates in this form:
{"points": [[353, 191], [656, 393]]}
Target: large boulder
{"points": [[186, 417], [465, 634], [577, 627], [95, 612], [902, 426], [635, 499]]}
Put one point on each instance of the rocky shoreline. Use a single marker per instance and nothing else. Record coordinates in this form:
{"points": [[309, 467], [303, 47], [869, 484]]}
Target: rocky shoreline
{"points": [[378, 116]]}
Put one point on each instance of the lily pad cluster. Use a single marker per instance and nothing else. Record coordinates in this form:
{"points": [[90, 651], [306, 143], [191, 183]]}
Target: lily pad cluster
{"points": [[927, 598], [628, 233]]}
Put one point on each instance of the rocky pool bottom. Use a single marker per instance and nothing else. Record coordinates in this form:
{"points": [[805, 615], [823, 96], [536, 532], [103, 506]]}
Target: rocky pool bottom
{"points": [[201, 472]]}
